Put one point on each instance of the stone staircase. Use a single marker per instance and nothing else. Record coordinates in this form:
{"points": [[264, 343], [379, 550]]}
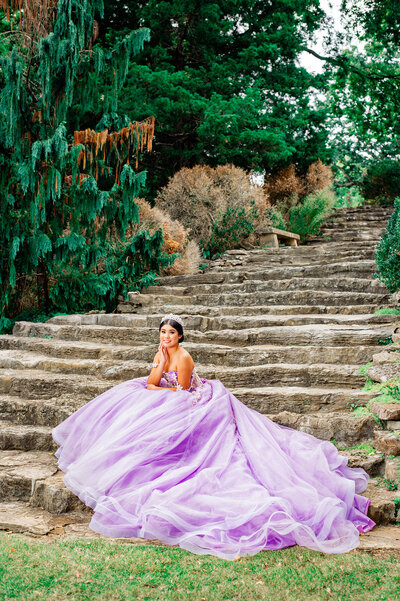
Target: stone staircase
{"points": [[285, 329]]}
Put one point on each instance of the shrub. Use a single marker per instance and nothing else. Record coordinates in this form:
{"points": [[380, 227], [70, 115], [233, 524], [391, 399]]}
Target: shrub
{"points": [[175, 235], [381, 182], [388, 252], [287, 185], [318, 177], [307, 217], [283, 185], [220, 207], [231, 229]]}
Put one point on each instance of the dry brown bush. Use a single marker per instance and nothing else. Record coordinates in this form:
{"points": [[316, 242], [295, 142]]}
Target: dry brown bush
{"points": [[176, 237], [284, 184], [199, 196], [318, 177]]}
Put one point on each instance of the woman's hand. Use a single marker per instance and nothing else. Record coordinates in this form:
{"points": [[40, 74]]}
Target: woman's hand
{"points": [[163, 354]]}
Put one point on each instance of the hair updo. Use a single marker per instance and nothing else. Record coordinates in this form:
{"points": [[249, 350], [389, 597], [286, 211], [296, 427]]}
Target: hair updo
{"points": [[174, 324]]}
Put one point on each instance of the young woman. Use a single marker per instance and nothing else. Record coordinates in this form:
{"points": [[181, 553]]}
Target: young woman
{"points": [[178, 458]]}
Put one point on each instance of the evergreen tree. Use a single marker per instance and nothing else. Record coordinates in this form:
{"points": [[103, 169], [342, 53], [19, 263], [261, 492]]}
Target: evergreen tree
{"points": [[224, 82], [67, 184]]}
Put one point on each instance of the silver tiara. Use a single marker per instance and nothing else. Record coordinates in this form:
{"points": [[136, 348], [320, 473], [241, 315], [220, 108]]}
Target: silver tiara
{"points": [[174, 317]]}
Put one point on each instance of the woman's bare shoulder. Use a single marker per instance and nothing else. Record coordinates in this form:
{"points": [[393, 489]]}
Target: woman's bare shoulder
{"points": [[185, 358]]}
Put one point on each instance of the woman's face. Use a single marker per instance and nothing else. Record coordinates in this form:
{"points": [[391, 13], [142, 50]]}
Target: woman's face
{"points": [[169, 337]]}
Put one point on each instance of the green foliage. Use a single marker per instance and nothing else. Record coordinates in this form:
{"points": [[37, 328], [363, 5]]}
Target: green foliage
{"points": [[388, 252], [307, 217], [224, 83], [231, 229], [63, 220], [387, 483], [386, 311], [365, 97], [381, 181]]}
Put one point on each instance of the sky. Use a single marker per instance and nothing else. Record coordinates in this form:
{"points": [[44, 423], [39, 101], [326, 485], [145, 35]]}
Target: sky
{"points": [[311, 63]]}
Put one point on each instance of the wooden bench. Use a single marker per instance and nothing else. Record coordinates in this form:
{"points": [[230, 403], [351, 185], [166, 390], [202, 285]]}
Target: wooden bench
{"points": [[271, 236]]}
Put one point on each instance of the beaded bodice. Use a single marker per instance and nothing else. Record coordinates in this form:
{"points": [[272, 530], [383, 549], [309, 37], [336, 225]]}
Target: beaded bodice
{"points": [[195, 385]]}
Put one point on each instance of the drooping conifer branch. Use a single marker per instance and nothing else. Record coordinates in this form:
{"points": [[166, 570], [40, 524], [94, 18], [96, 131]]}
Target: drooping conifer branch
{"points": [[63, 222]]}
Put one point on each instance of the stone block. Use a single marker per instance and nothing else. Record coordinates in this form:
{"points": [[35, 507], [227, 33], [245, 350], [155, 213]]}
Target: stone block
{"points": [[385, 366], [387, 442], [386, 411]]}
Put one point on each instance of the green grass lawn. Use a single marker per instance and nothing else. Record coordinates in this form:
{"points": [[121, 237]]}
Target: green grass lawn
{"points": [[81, 569]]}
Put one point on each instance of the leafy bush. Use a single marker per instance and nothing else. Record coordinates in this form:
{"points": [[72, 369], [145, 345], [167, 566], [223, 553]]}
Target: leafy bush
{"points": [[303, 217], [382, 181], [307, 217], [209, 201], [388, 252], [231, 229]]}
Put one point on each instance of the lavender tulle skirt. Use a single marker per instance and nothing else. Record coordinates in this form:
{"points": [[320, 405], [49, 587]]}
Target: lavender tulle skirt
{"points": [[203, 471]]}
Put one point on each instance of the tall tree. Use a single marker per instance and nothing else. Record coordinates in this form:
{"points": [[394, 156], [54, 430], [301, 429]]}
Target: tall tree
{"points": [[224, 82], [67, 184], [365, 94]]}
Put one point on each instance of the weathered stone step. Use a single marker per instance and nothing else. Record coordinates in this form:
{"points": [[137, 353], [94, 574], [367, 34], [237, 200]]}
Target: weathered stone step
{"points": [[272, 400], [363, 269], [324, 334], [28, 360], [204, 323], [18, 516], [273, 374], [25, 438], [314, 254], [373, 463], [41, 384], [349, 235], [343, 284], [234, 312], [288, 297], [344, 428], [39, 412], [77, 349], [201, 353], [21, 470]]}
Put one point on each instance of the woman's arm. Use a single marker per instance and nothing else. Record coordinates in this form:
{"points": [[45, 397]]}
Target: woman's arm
{"points": [[185, 368], [157, 370]]}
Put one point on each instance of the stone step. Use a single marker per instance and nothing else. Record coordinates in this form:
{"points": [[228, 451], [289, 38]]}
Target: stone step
{"points": [[20, 471], [234, 311], [18, 360], [25, 437], [292, 297], [272, 400], [77, 349], [33, 476], [344, 428], [274, 374], [343, 284], [373, 463], [204, 323], [39, 412], [324, 334], [35, 384], [357, 268], [312, 254], [19, 516], [201, 353]]}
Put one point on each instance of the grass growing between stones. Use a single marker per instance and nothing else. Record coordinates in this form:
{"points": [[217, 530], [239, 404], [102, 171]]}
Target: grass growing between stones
{"points": [[83, 570]]}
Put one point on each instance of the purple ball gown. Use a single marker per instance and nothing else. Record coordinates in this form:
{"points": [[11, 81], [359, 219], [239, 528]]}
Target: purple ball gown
{"points": [[199, 469]]}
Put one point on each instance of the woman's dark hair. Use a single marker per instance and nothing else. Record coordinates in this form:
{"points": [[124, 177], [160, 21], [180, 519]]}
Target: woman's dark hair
{"points": [[174, 324]]}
